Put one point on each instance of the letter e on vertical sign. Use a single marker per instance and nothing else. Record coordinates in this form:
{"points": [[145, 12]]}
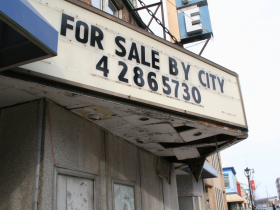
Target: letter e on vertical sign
{"points": [[192, 20]]}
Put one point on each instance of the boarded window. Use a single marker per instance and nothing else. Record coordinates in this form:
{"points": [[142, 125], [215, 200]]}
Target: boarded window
{"points": [[123, 197], [74, 193], [190, 203], [226, 179]]}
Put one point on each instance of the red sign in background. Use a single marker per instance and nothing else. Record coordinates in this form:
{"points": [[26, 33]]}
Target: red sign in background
{"points": [[238, 189], [253, 187]]}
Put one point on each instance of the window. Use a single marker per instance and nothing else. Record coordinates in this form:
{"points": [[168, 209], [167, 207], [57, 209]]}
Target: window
{"points": [[190, 203], [226, 179], [112, 9], [74, 190], [96, 3], [123, 197]]}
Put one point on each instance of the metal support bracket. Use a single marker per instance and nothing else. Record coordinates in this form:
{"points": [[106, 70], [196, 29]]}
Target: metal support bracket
{"points": [[204, 46]]}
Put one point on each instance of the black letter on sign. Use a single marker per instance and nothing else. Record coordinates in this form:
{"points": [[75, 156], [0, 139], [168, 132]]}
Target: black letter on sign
{"points": [[143, 57], [200, 79], [64, 24], [176, 87], [198, 99], [152, 82], [213, 80], [186, 70], [96, 37], [123, 72], [221, 84], [165, 84], [186, 90], [173, 66], [207, 79], [154, 59], [105, 69], [123, 52], [131, 53], [78, 29], [138, 75]]}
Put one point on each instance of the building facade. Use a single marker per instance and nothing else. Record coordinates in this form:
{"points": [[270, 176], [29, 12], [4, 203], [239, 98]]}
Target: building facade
{"points": [[234, 200], [99, 113], [214, 189], [277, 182]]}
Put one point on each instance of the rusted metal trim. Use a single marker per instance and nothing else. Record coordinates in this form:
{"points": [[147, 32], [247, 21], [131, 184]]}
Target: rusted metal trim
{"points": [[218, 126], [204, 46]]}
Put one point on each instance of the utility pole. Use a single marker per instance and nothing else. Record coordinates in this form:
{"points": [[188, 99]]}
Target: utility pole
{"points": [[266, 195], [247, 173]]}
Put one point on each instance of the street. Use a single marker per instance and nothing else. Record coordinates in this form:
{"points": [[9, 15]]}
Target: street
{"points": [[267, 208]]}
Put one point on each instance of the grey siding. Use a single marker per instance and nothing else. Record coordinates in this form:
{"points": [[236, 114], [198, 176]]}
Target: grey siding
{"points": [[78, 144], [81, 147], [18, 131]]}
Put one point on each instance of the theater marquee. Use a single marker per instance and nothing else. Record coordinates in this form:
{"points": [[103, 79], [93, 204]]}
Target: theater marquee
{"points": [[98, 53]]}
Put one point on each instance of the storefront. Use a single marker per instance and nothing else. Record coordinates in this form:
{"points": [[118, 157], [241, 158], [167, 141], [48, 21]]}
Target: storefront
{"points": [[105, 112]]}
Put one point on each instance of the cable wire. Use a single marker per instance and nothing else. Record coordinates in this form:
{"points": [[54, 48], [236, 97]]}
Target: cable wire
{"points": [[196, 44]]}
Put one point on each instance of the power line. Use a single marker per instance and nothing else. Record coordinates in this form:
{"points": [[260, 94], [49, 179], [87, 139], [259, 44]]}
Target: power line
{"points": [[195, 44]]}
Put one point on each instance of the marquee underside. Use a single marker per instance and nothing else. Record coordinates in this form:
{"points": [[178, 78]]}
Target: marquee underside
{"points": [[175, 137]]}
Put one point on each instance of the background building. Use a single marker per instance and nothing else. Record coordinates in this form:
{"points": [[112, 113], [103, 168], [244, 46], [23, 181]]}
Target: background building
{"points": [[214, 189], [234, 200], [277, 182], [244, 194]]}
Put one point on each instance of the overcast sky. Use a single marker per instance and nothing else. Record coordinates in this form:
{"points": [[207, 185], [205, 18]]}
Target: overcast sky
{"points": [[247, 41]]}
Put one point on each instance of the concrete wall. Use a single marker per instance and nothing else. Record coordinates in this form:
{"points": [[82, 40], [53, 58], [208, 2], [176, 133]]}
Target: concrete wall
{"points": [[18, 131], [79, 145], [76, 145]]}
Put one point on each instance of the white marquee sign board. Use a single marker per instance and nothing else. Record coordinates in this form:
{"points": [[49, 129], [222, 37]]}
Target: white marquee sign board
{"points": [[100, 54]]}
